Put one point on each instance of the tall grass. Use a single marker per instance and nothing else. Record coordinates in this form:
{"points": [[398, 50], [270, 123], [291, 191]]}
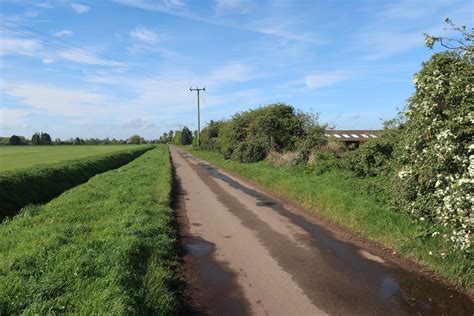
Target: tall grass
{"points": [[352, 202], [40, 183], [106, 247]]}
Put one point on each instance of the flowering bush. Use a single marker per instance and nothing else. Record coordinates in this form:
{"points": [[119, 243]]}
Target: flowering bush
{"points": [[436, 153]]}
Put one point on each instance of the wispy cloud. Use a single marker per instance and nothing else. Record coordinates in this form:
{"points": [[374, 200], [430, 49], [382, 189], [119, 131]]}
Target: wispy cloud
{"points": [[44, 5], [63, 33], [18, 46], [80, 8], [48, 60], [145, 36], [232, 72], [157, 6], [233, 6], [325, 79], [66, 102]]}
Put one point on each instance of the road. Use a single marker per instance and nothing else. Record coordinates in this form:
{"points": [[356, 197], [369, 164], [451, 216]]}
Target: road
{"points": [[248, 252]]}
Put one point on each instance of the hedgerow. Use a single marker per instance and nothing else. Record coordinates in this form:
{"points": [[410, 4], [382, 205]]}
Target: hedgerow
{"points": [[41, 183], [436, 152], [250, 135]]}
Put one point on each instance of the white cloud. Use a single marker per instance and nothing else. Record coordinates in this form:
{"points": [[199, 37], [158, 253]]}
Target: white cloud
{"points": [[325, 79], [18, 46], [63, 33], [382, 44], [174, 3], [57, 101], [44, 5], [145, 36], [9, 116], [139, 123], [80, 8], [48, 61], [234, 72]]}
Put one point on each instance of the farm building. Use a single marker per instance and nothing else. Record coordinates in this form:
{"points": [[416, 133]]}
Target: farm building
{"points": [[352, 138]]}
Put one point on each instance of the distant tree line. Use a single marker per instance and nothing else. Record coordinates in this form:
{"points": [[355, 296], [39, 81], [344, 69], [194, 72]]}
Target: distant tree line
{"points": [[41, 138]]}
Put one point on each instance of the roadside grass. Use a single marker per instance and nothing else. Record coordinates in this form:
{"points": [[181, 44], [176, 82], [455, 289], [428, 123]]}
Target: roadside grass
{"points": [[41, 183], [108, 246], [348, 201], [19, 157]]}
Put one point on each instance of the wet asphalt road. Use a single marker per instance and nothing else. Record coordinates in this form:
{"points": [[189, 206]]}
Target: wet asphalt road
{"points": [[248, 253]]}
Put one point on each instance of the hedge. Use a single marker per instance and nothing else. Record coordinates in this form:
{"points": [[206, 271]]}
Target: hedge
{"points": [[41, 183]]}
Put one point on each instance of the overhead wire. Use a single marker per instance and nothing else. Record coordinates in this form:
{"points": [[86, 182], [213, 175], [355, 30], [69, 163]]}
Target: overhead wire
{"points": [[78, 50]]}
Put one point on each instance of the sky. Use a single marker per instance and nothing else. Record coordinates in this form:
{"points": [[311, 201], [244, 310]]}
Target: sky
{"points": [[114, 68]]}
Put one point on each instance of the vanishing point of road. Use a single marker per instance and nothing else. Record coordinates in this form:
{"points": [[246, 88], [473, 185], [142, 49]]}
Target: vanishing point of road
{"points": [[248, 252]]}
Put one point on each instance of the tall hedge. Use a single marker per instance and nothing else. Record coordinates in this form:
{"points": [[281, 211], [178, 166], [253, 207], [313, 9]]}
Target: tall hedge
{"points": [[436, 152]]}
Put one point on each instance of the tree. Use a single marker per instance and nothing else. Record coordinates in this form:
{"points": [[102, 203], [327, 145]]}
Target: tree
{"points": [[186, 136], [78, 141], [35, 139], [136, 139], [170, 136], [45, 139], [177, 138], [15, 140]]}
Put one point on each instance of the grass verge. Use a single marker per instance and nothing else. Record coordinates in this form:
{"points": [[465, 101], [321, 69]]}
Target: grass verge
{"points": [[41, 183], [105, 247], [344, 199]]}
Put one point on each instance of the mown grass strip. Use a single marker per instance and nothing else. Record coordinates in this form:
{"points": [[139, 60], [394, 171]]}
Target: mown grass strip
{"points": [[344, 199], [105, 247], [41, 183]]}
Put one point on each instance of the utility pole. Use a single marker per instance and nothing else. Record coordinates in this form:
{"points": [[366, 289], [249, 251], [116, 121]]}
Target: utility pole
{"points": [[199, 114]]}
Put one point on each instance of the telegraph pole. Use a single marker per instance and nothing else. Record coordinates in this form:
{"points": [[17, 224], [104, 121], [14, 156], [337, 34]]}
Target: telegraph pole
{"points": [[199, 114]]}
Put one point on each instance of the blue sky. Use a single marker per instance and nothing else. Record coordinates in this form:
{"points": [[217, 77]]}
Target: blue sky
{"points": [[117, 68]]}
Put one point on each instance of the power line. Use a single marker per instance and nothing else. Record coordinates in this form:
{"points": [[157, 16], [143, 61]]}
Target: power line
{"points": [[54, 45], [79, 50]]}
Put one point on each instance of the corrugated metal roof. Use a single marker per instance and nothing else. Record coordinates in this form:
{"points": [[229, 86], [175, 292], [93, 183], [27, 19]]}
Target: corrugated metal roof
{"points": [[352, 135]]}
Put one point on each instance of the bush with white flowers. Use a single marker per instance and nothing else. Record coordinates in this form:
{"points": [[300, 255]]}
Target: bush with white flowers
{"points": [[436, 151]]}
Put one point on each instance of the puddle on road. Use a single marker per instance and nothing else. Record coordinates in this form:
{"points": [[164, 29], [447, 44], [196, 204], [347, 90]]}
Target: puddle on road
{"points": [[389, 284], [219, 284]]}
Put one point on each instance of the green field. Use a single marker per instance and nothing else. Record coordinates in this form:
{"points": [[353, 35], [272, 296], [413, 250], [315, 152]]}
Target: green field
{"points": [[107, 246], [18, 157]]}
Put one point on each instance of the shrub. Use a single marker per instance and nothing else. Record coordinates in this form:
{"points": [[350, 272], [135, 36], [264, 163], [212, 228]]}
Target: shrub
{"points": [[375, 157], [278, 127], [251, 151], [210, 136], [436, 154], [322, 161]]}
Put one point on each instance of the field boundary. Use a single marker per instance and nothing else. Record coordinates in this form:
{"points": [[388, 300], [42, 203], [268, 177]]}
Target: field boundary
{"points": [[41, 183]]}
